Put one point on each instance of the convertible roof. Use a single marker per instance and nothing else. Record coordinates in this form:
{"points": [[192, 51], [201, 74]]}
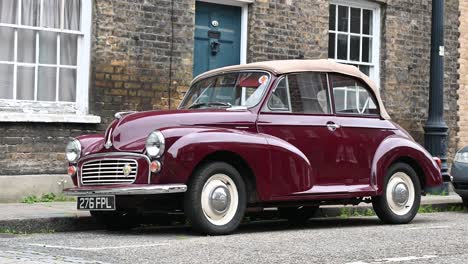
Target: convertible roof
{"points": [[290, 66]]}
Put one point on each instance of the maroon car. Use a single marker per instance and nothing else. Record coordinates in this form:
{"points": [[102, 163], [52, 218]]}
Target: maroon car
{"points": [[291, 134]]}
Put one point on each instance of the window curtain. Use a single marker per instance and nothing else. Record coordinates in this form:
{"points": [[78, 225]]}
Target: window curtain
{"points": [[7, 15], [68, 50], [48, 51], [27, 50]]}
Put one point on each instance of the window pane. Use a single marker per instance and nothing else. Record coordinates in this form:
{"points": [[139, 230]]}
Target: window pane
{"points": [[351, 96], [68, 48], [355, 20], [367, 22], [72, 14], [365, 69], [332, 18], [331, 45], [25, 83], [354, 48], [279, 99], [308, 92], [30, 12], [46, 83], [7, 41], [342, 47], [6, 81], [343, 18], [51, 13], [47, 47], [26, 45], [67, 85], [8, 11], [366, 49]]}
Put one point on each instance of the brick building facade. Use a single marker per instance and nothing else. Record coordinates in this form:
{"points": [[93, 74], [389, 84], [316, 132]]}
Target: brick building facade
{"points": [[463, 81], [142, 55]]}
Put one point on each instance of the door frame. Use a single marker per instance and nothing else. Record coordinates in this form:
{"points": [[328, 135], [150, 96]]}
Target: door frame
{"points": [[244, 4]]}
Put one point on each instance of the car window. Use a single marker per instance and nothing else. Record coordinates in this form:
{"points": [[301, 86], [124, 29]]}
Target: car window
{"points": [[352, 96], [226, 90], [301, 93]]}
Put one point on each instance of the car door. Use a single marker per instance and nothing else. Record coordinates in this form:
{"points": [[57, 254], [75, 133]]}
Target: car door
{"points": [[298, 112], [362, 129]]}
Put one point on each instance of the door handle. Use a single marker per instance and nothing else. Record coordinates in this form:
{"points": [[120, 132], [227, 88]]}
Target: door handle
{"points": [[332, 126]]}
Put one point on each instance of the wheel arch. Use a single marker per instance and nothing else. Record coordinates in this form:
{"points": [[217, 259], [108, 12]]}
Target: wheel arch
{"points": [[414, 165], [397, 149], [239, 163]]}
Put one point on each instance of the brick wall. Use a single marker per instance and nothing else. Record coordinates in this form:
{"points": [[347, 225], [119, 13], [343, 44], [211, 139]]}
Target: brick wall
{"points": [[131, 51], [463, 72], [405, 64], [288, 29]]}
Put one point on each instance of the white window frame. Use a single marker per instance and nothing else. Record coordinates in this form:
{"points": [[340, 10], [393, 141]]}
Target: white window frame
{"points": [[244, 4], [13, 110], [374, 71]]}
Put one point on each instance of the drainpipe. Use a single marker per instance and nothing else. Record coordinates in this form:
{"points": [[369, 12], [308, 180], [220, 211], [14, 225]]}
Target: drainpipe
{"points": [[435, 137]]}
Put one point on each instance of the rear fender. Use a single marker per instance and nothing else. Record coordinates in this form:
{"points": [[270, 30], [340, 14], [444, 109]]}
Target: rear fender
{"points": [[397, 148]]}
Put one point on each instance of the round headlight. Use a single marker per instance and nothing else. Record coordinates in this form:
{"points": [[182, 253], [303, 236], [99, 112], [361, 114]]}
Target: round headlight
{"points": [[155, 144], [73, 151]]}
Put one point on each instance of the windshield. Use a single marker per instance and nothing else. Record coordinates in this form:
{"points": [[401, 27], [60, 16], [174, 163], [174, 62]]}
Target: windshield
{"points": [[227, 90]]}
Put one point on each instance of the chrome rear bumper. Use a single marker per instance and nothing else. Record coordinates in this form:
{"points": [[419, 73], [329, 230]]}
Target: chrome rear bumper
{"points": [[133, 190]]}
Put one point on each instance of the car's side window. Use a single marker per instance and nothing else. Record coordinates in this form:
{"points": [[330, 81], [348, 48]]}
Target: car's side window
{"points": [[301, 93], [279, 99], [352, 96]]}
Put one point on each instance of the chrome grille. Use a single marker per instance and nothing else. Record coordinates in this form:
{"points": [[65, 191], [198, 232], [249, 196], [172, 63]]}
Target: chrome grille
{"points": [[109, 171]]}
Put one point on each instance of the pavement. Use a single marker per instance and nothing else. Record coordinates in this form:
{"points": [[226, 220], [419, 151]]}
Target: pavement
{"points": [[64, 217], [430, 238]]}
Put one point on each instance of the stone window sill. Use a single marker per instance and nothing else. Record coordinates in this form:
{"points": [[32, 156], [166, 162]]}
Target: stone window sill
{"points": [[49, 118]]}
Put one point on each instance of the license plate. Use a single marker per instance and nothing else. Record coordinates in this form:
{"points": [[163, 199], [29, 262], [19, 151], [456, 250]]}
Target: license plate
{"points": [[101, 203]]}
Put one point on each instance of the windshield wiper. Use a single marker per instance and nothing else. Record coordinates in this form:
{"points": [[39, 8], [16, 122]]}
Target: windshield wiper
{"points": [[196, 105]]}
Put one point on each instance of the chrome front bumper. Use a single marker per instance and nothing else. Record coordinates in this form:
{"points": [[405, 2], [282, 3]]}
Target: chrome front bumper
{"points": [[133, 190]]}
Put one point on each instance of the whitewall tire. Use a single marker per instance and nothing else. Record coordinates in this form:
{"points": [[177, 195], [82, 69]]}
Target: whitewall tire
{"points": [[215, 200], [401, 196]]}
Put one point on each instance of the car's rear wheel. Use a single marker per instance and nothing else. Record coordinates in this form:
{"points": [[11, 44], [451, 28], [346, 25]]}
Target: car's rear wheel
{"points": [[297, 214], [116, 220], [215, 200], [401, 196]]}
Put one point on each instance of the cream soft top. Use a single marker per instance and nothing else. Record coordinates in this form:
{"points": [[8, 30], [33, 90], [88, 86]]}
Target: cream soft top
{"points": [[279, 67]]}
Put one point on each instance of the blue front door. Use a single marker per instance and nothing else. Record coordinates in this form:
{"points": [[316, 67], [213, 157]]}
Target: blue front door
{"points": [[217, 36]]}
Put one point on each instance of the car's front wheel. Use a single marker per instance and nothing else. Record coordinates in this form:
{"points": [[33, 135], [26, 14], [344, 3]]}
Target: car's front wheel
{"points": [[401, 196], [215, 200]]}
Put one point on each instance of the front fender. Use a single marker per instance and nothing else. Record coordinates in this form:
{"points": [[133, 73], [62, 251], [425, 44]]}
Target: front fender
{"points": [[188, 146], [395, 148]]}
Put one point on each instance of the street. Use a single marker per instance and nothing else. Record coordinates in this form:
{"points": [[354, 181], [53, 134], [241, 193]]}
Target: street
{"points": [[430, 238]]}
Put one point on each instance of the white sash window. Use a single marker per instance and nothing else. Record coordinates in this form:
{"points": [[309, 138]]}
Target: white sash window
{"points": [[44, 56], [354, 35]]}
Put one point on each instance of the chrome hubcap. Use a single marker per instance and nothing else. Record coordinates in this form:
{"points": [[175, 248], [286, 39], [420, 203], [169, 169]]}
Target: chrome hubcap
{"points": [[219, 199], [400, 193]]}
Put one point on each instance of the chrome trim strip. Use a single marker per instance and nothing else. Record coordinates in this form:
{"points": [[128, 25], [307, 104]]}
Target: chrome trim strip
{"points": [[138, 190], [122, 154]]}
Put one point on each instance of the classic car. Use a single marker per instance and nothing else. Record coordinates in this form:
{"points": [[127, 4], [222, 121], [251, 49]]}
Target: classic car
{"points": [[293, 134], [459, 173]]}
